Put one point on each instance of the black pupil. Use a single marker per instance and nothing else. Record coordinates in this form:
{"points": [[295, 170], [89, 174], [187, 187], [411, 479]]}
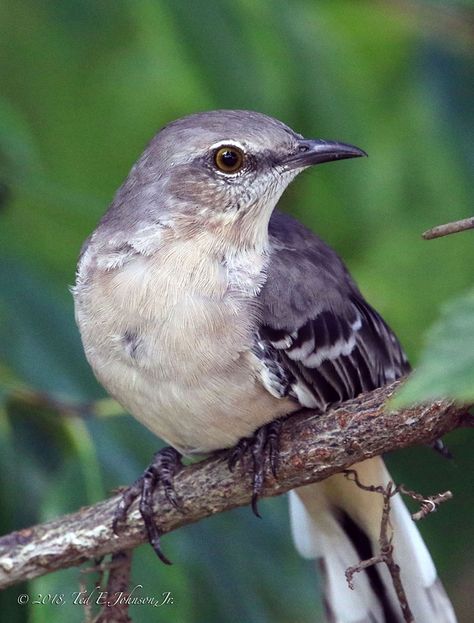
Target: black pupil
{"points": [[229, 158]]}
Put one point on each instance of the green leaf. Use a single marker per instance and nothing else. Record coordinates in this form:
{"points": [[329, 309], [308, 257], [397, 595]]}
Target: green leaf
{"points": [[446, 368]]}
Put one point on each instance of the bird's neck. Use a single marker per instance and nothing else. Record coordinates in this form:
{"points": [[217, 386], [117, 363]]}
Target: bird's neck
{"points": [[201, 260], [241, 264]]}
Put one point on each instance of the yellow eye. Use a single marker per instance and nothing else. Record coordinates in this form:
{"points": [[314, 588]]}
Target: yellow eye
{"points": [[229, 159]]}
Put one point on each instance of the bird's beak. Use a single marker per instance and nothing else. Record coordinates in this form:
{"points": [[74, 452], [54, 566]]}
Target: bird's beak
{"points": [[317, 151]]}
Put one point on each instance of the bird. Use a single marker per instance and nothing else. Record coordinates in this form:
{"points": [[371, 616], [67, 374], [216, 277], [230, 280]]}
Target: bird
{"points": [[209, 315]]}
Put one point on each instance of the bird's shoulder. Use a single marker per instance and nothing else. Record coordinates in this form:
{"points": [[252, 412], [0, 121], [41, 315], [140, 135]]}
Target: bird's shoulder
{"points": [[304, 274]]}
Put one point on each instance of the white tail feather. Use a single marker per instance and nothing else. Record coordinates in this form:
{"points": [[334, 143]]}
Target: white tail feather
{"points": [[318, 533]]}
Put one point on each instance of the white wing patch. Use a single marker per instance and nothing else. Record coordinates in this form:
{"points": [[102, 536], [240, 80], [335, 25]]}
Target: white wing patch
{"points": [[341, 347], [273, 376], [304, 395], [335, 356]]}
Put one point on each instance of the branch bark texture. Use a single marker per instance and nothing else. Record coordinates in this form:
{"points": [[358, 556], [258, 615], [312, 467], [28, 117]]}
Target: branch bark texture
{"points": [[313, 447]]}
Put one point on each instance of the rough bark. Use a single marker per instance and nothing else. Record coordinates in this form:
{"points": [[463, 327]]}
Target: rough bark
{"points": [[313, 447]]}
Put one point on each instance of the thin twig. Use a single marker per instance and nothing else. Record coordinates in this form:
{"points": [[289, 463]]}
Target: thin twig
{"points": [[115, 607], [84, 597], [428, 505], [385, 543], [43, 400], [87, 605], [449, 228]]}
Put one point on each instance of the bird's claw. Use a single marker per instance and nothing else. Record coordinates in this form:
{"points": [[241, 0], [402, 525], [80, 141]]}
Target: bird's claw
{"points": [[161, 470], [264, 447]]}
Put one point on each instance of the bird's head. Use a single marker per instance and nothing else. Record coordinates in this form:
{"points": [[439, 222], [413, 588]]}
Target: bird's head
{"points": [[221, 171]]}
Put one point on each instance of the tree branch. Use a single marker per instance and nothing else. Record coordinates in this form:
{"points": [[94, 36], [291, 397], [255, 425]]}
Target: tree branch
{"points": [[449, 228], [313, 447]]}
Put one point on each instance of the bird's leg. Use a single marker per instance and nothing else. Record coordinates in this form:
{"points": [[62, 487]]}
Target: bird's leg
{"points": [[264, 448], [161, 470]]}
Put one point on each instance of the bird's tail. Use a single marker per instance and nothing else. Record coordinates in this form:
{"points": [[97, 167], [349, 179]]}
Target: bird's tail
{"points": [[338, 523]]}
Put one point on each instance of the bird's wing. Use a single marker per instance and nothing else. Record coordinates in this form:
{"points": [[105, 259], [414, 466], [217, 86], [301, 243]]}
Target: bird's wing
{"points": [[319, 340]]}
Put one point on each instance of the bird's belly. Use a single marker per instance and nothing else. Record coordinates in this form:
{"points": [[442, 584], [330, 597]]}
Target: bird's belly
{"points": [[211, 414], [178, 359]]}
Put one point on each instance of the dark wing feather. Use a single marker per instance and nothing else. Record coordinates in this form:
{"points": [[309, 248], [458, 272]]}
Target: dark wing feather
{"points": [[327, 343]]}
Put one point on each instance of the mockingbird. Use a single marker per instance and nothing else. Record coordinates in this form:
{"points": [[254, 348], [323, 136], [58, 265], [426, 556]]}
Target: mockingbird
{"points": [[208, 315]]}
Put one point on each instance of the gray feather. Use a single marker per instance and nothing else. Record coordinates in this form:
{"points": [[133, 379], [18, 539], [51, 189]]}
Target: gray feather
{"points": [[330, 342]]}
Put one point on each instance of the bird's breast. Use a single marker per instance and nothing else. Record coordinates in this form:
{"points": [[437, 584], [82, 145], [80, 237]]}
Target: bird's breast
{"points": [[179, 308], [173, 333]]}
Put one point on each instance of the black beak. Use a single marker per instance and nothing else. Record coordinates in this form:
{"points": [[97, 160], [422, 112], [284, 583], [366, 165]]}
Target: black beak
{"points": [[317, 151]]}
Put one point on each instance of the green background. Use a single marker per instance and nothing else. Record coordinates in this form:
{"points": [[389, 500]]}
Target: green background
{"points": [[83, 87]]}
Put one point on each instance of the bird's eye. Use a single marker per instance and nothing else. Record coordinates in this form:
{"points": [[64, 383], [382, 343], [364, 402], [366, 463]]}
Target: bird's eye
{"points": [[229, 159]]}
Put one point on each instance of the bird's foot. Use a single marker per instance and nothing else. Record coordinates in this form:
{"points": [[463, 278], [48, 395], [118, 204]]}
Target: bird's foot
{"points": [[161, 470], [264, 448]]}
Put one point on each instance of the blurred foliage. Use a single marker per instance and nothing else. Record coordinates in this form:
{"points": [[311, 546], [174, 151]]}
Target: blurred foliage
{"points": [[85, 85], [446, 368]]}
